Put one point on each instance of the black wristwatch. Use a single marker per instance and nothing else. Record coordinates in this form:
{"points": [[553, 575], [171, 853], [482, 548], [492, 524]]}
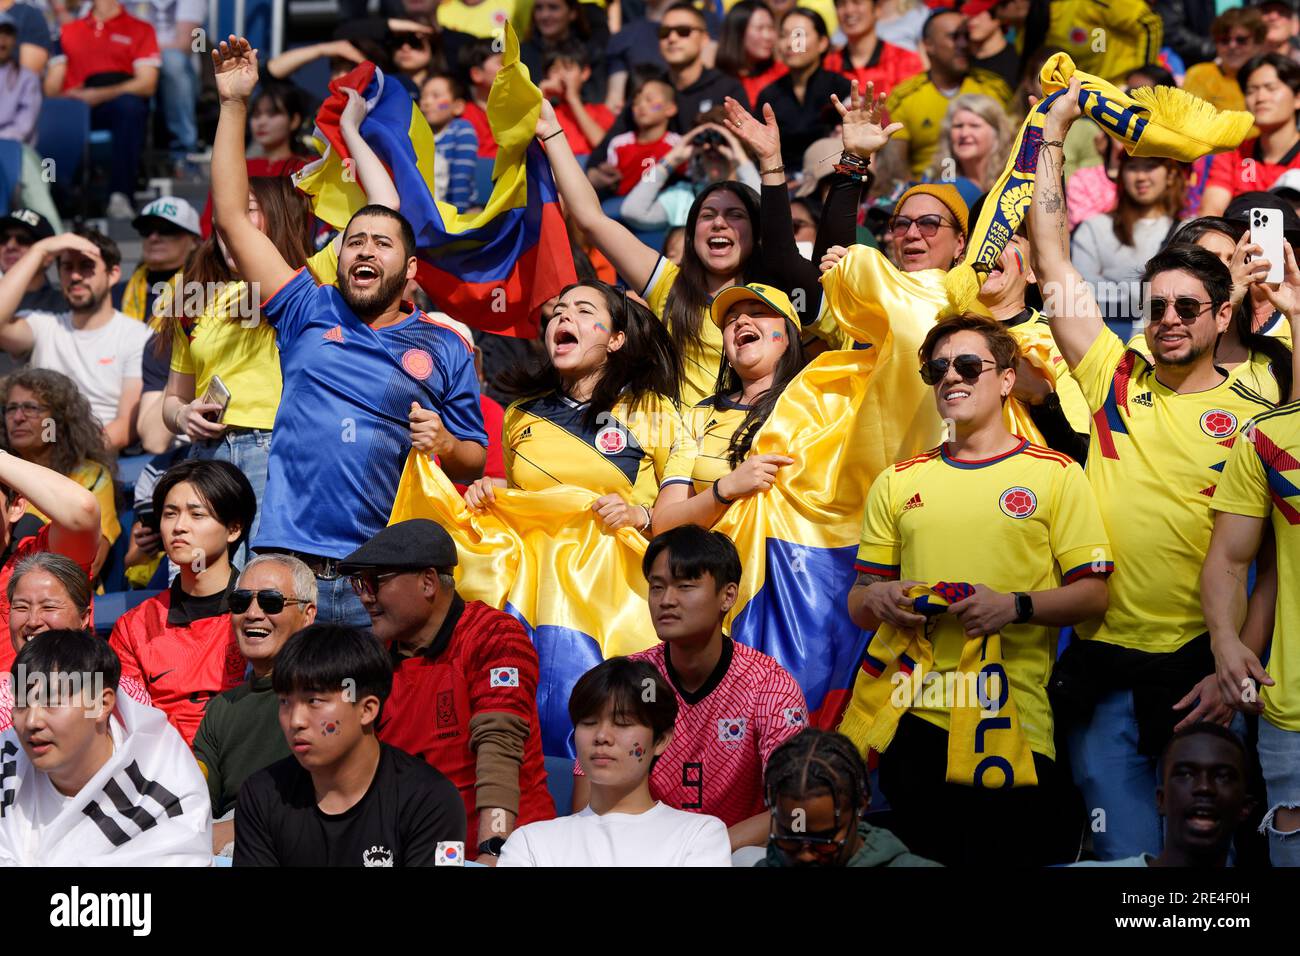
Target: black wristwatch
{"points": [[1024, 607], [492, 847]]}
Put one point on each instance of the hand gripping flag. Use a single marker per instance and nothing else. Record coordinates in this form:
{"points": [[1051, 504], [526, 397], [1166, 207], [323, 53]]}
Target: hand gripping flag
{"points": [[1152, 121], [492, 269], [545, 558]]}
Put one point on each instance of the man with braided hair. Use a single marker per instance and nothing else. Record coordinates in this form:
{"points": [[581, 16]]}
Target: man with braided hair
{"points": [[818, 791]]}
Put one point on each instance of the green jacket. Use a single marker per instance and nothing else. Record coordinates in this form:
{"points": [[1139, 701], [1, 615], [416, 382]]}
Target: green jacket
{"points": [[879, 848]]}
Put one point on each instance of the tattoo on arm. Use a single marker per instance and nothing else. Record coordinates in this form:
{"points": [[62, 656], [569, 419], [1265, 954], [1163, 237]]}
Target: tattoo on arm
{"points": [[866, 580]]}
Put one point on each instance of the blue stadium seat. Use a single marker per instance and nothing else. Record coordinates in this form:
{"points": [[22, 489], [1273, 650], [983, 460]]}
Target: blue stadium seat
{"points": [[11, 171], [63, 135], [559, 780], [109, 607], [113, 573], [128, 471]]}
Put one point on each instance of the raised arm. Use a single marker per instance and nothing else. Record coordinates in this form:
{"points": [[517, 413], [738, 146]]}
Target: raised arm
{"points": [[290, 61], [72, 509], [1072, 310], [371, 174], [259, 261], [634, 260]]}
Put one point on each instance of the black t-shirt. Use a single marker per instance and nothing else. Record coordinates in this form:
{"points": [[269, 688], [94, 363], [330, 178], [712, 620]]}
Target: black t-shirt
{"points": [[802, 124], [409, 809], [1005, 64]]}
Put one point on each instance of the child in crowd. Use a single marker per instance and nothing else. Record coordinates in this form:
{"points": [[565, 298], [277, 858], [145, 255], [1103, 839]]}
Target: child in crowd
{"points": [[635, 152], [566, 69], [480, 63], [442, 101]]}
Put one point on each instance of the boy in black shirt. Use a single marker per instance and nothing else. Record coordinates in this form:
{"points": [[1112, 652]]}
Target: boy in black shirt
{"points": [[343, 798]]}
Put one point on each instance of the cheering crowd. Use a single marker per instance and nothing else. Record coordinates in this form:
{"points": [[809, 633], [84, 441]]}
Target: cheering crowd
{"points": [[1075, 574]]}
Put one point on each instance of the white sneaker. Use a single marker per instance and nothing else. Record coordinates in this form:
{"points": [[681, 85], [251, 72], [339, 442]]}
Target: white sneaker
{"points": [[119, 207]]}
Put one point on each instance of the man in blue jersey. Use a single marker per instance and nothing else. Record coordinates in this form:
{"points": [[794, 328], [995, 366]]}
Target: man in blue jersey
{"points": [[367, 376]]}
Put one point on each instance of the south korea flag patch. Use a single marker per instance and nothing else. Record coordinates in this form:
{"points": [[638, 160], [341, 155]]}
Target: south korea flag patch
{"points": [[503, 677], [795, 717], [450, 853], [731, 729]]}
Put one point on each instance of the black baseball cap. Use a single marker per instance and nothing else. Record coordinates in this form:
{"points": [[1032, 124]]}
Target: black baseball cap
{"points": [[417, 543], [30, 220]]}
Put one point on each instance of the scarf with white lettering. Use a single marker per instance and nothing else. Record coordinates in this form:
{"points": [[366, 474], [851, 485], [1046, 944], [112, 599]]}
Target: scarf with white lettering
{"points": [[147, 806]]}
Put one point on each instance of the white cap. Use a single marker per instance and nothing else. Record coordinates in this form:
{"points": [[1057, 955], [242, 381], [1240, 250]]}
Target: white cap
{"points": [[173, 209]]}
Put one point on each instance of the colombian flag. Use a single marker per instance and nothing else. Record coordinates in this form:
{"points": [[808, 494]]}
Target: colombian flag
{"points": [[543, 557], [492, 269]]}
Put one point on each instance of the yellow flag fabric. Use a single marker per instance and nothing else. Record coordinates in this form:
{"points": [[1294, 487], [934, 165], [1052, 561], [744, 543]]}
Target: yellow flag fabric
{"points": [[986, 744], [544, 557]]}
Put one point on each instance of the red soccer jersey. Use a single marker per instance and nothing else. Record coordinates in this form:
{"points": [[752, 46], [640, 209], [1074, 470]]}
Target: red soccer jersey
{"points": [[181, 652], [633, 159], [116, 45], [1243, 171], [28, 546], [725, 732], [579, 143], [480, 662], [487, 145], [889, 65]]}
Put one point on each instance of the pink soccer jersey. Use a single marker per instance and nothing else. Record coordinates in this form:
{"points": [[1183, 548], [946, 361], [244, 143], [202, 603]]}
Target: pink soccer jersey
{"points": [[725, 732]]}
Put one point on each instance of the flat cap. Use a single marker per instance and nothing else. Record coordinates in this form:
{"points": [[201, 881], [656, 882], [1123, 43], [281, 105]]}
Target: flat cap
{"points": [[417, 543]]}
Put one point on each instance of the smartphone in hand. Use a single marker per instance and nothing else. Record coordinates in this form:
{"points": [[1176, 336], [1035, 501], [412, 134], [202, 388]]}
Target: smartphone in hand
{"points": [[1266, 232]]}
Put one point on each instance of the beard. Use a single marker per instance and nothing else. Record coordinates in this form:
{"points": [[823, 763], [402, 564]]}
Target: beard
{"points": [[91, 302], [371, 303], [1193, 354]]}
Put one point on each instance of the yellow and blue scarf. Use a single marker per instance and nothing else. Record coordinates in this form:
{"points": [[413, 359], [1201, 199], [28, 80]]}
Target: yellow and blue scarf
{"points": [[1152, 121]]}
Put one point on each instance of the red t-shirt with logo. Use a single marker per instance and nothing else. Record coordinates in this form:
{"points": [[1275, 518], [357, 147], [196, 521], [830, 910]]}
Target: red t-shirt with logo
{"points": [[480, 662], [889, 65], [116, 45], [1242, 170]]}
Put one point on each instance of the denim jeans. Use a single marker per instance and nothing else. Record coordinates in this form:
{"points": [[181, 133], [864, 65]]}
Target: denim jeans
{"points": [[125, 117], [1279, 756], [1116, 780], [337, 603], [249, 451], [179, 91]]}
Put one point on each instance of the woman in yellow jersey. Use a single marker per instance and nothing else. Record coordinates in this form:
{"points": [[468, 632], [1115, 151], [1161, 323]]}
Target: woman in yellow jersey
{"points": [[48, 421], [600, 413], [1256, 346], [761, 343], [722, 245], [214, 331]]}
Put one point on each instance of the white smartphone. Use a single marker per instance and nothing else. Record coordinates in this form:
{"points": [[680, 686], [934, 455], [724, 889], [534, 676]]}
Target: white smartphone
{"points": [[1266, 232]]}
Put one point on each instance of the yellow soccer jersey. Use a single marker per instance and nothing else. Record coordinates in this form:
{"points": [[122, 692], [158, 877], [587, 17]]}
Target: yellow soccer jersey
{"points": [[711, 424], [1256, 373], [486, 19], [1154, 460], [1108, 38], [1023, 521], [700, 362], [1262, 478], [632, 452], [920, 106], [1036, 332]]}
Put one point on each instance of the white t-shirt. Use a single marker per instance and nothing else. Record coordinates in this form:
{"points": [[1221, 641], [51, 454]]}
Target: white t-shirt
{"points": [[99, 360], [662, 836]]}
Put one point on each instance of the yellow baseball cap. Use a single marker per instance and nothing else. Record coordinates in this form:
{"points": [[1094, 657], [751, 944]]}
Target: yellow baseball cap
{"points": [[754, 291]]}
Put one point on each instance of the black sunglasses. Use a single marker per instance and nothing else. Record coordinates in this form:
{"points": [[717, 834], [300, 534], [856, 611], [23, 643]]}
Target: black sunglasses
{"points": [[271, 601], [822, 847], [1185, 307], [969, 367], [164, 229], [927, 226], [680, 30], [413, 40]]}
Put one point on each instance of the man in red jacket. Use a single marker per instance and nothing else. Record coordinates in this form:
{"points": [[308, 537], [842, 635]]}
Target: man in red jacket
{"points": [[464, 681]]}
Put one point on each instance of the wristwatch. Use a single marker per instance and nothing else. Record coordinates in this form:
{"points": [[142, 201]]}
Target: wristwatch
{"points": [[1024, 607], [492, 847]]}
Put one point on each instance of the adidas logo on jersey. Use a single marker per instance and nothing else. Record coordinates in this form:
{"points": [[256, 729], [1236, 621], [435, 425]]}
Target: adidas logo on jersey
{"points": [[527, 432], [334, 335], [1143, 399], [914, 502]]}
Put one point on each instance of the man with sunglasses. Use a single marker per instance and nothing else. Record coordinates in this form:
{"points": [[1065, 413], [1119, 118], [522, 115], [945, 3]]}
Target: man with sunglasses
{"points": [[464, 681], [92, 343], [1161, 432], [920, 103], [1019, 522], [274, 598], [19, 231]]}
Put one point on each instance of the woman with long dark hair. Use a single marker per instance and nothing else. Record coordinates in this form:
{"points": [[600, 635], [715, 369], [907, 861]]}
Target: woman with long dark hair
{"points": [[747, 47], [1254, 347], [722, 238], [801, 100], [49, 422], [761, 343], [600, 412]]}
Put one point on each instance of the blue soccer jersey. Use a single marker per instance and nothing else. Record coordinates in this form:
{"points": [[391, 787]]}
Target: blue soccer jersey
{"points": [[342, 431]]}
